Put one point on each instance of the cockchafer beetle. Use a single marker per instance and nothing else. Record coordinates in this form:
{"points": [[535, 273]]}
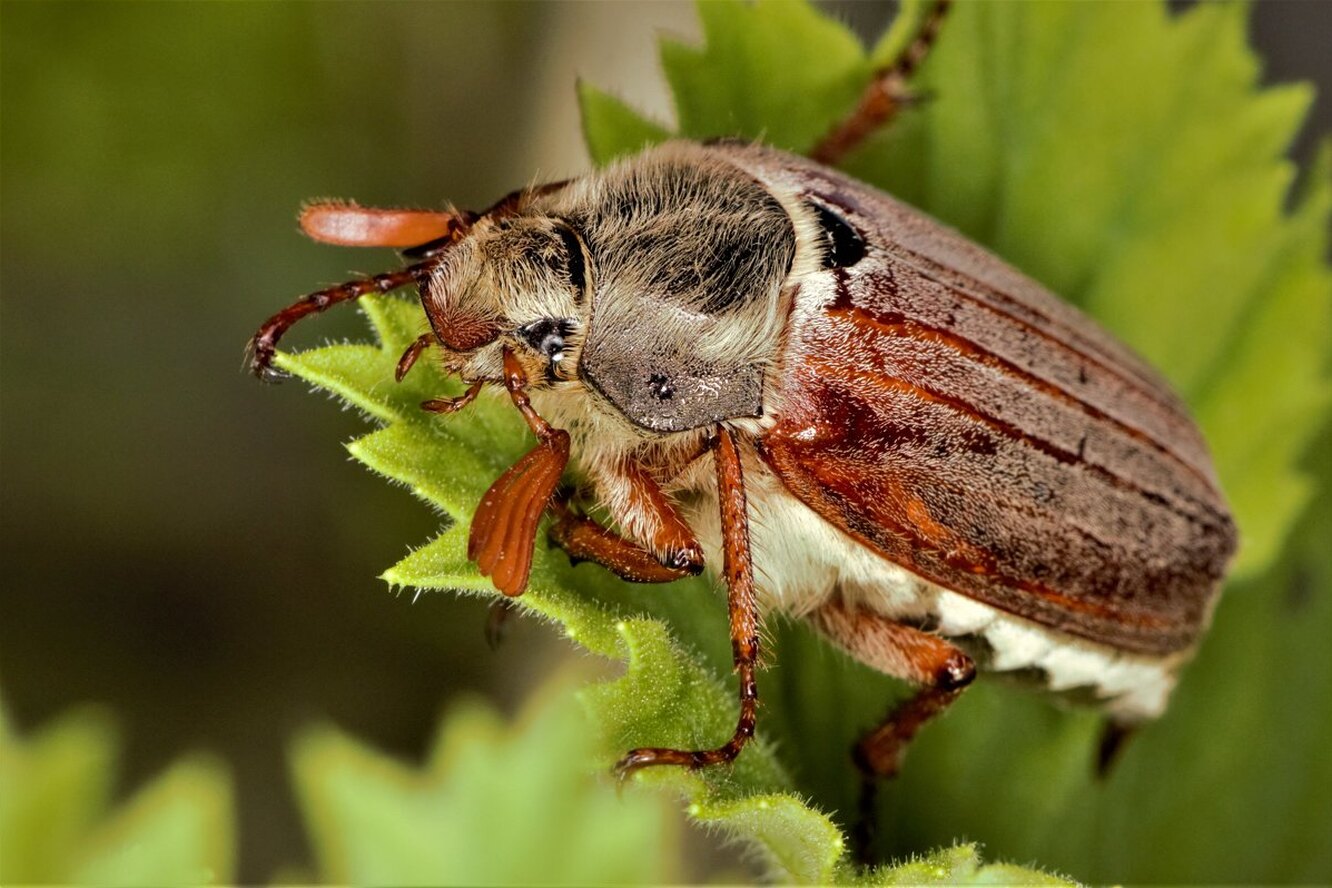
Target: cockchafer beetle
{"points": [[937, 462]]}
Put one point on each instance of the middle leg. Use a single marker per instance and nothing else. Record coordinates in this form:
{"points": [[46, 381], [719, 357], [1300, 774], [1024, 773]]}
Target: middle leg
{"points": [[742, 605]]}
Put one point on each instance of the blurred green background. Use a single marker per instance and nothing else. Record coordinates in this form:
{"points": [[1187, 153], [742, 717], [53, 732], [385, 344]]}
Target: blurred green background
{"points": [[180, 543]]}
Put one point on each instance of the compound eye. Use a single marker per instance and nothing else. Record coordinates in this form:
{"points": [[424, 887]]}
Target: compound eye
{"points": [[547, 336]]}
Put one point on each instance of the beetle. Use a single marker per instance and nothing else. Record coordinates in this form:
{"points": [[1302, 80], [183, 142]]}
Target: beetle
{"points": [[756, 360]]}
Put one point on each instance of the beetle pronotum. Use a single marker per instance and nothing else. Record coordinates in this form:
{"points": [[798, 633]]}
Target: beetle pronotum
{"points": [[938, 463]]}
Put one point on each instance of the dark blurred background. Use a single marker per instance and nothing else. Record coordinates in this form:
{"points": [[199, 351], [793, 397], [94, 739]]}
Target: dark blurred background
{"points": [[177, 541]]}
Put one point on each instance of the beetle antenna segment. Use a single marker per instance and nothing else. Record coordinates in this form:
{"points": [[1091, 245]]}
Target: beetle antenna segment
{"points": [[263, 344], [349, 225], [503, 532], [742, 604], [884, 97]]}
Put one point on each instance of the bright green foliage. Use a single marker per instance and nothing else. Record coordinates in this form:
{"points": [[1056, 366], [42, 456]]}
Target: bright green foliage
{"points": [[958, 865], [492, 805], [613, 129], [1127, 159], [54, 826]]}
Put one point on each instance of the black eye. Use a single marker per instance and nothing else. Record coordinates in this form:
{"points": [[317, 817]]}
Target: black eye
{"points": [[547, 336], [574, 250]]}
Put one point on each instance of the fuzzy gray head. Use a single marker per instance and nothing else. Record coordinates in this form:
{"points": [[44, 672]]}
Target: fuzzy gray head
{"points": [[690, 255], [514, 276]]}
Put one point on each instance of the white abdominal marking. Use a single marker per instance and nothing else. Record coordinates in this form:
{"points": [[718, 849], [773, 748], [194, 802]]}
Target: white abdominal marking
{"points": [[802, 561]]}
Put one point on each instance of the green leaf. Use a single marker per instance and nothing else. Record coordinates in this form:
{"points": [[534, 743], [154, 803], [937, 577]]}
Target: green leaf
{"points": [[772, 70], [54, 826], [175, 831], [1127, 158], [53, 787], [958, 865], [492, 805], [611, 128]]}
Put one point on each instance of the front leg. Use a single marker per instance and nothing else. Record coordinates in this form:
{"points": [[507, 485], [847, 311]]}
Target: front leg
{"points": [[668, 550], [584, 539]]}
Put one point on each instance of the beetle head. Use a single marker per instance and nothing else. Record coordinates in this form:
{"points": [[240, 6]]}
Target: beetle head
{"points": [[513, 280]]}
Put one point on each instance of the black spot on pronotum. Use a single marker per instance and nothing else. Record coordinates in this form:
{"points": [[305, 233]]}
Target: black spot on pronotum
{"points": [[843, 245], [660, 386]]}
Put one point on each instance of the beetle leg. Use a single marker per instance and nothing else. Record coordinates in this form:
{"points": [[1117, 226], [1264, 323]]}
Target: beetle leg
{"points": [[1114, 736], [660, 546], [497, 621], [411, 354], [515, 380], [885, 96], [503, 531], [908, 653], [263, 344], [742, 604], [453, 405], [585, 539]]}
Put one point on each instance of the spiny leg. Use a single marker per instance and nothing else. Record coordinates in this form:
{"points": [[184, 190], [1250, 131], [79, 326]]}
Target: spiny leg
{"points": [[742, 604], [263, 345], [660, 546], [908, 653], [585, 539], [884, 97]]}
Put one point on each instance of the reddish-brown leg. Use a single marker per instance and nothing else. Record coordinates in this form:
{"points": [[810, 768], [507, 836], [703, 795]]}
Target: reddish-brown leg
{"points": [[264, 342], [584, 539], [453, 405], [411, 354], [503, 531], [908, 653], [662, 546], [738, 568], [884, 97]]}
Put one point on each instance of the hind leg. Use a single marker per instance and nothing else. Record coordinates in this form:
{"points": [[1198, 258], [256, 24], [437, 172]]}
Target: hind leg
{"points": [[942, 669]]}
